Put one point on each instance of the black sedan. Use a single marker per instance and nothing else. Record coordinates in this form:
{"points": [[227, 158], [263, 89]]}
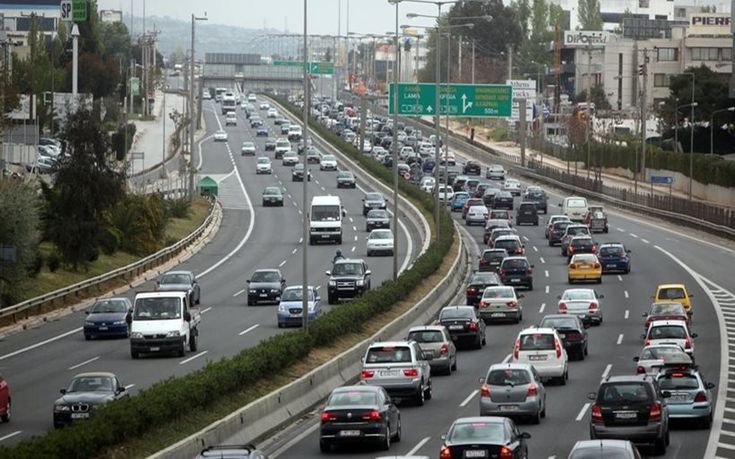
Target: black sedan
{"points": [[485, 436], [463, 324], [373, 200], [472, 168], [272, 196], [503, 200], [265, 286], [262, 132], [477, 285], [270, 144], [86, 392], [359, 414], [572, 332], [297, 173]]}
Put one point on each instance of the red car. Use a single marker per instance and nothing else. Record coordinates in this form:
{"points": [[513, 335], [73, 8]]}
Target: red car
{"points": [[665, 310], [4, 400]]}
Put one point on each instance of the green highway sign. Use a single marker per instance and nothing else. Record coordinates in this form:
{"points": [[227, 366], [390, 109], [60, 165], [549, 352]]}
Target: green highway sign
{"points": [[315, 68], [79, 10], [468, 100]]}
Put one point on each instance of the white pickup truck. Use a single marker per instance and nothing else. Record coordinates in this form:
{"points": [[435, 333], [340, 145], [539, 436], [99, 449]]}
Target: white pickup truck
{"points": [[163, 322]]}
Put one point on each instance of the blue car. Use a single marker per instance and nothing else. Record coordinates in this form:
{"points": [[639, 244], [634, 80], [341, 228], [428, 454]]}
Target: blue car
{"points": [[290, 308], [614, 257], [459, 200], [107, 318], [690, 396], [428, 165]]}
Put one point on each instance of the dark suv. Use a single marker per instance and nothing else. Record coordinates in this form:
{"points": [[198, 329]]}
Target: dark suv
{"points": [[527, 213], [348, 278], [516, 271], [265, 286], [477, 285], [537, 196], [372, 200], [631, 408]]}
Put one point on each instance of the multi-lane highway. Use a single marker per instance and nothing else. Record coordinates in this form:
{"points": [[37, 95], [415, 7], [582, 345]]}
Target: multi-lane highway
{"points": [[40, 361], [661, 253]]}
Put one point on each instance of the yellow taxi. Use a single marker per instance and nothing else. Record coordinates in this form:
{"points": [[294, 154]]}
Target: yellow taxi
{"points": [[584, 267], [675, 292]]}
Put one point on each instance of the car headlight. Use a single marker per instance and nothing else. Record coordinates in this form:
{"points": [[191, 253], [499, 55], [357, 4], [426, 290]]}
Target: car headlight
{"points": [[89, 323], [173, 334], [61, 408], [360, 283], [252, 290], [332, 283], [136, 335]]}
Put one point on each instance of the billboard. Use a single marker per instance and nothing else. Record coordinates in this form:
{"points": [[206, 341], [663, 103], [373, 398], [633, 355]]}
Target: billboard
{"points": [[522, 89], [709, 24], [585, 38]]}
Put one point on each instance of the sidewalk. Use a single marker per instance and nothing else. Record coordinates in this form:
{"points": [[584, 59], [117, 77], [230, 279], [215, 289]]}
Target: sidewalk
{"points": [[149, 134]]}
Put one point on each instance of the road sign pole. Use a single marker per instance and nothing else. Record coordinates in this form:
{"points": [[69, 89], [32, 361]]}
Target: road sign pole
{"points": [[437, 119], [522, 128]]}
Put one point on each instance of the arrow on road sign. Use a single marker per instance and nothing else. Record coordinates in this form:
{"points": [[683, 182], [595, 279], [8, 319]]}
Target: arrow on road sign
{"points": [[429, 109], [465, 104]]}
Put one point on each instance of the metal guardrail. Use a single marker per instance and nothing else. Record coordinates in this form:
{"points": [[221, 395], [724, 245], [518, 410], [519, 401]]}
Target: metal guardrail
{"points": [[81, 290]]}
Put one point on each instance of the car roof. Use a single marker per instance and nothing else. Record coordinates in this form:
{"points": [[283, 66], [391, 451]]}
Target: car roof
{"points": [[95, 374], [582, 256], [357, 387], [559, 316], [507, 237], [188, 273], [511, 365], [604, 244], [299, 287], [427, 328], [458, 307], [670, 286], [657, 323], [615, 444], [481, 419], [268, 270], [536, 330], [349, 260], [516, 258], [389, 343], [627, 378], [496, 250], [581, 236]]}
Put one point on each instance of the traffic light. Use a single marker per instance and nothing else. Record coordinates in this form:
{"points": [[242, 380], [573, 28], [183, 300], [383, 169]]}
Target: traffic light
{"points": [[642, 69]]}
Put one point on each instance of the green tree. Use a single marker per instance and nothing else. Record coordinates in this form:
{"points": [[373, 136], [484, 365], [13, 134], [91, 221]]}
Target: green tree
{"points": [[19, 236], [589, 15], [597, 97], [85, 188]]}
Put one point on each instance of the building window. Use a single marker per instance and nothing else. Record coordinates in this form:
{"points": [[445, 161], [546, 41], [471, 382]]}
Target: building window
{"points": [[644, 4], [661, 80], [726, 54], [667, 54], [705, 54]]}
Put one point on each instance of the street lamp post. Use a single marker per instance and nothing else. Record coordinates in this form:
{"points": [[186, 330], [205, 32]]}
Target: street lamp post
{"points": [[712, 126], [304, 196], [191, 106]]}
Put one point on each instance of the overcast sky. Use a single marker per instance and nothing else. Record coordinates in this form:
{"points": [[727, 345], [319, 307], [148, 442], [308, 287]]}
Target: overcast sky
{"points": [[366, 16]]}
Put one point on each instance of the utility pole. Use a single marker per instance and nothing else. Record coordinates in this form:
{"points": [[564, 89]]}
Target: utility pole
{"points": [[75, 65], [304, 189], [459, 60], [691, 142], [588, 118], [396, 78], [522, 129], [473, 61], [437, 119], [644, 116]]}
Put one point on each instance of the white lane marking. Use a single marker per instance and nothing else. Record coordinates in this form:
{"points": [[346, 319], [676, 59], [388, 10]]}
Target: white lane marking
{"points": [[318, 287], [583, 411], [542, 260], [355, 238], [73, 367], [353, 248], [607, 370], [535, 249], [552, 457], [11, 435], [249, 329], [625, 292], [294, 251], [620, 229], [469, 398], [546, 272], [645, 241], [196, 356], [354, 228], [238, 293], [129, 386], [633, 235], [541, 309], [316, 181], [300, 212], [507, 358], [295, 440], [627, 313], [41, 343], [418, 446], [199, 145], [290, 197], [205, 310], [301, 240], [351, 220], [323, 189], [294, 204], [282, 263], [620, 278], [620, 338], [525, 238], [547, 289]]}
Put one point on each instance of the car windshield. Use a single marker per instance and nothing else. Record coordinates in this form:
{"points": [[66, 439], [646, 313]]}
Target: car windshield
{"points": [[498, 292], [582, 241], [675, 293], [272, 191], [377, 214], [578, 295], [265, 276], [623, 393], [263, 160], [475, 432], [345, 175], [373, 197], [175, 279], [388, 354], [426, 336], [501, 214], [508, 377], [667, 331], [678, 381], [325, 213], [456, 313], [537, 342], [560, 323], [353, 398], [283, 143], [109, 306], [347, 269], [515, 263], [561, 226], [157, 308], [248, 145], [612, 251], [328, 158], [381, 235], [667, 308], [92, 384], [298, 168], [294, 294]]}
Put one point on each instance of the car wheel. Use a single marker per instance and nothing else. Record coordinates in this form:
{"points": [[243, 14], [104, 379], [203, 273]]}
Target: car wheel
{"points": [[134, 354], [429, 393], [250, 303], [87, 337], [705, 424], [565, 378], [530, 286], [193, 341], [397, 436], [325, 447], [420, 396], [385, 444], [332, 299], [6, 417], [454, 365], [543, 411], [660, 446], [536, 418], [182, 350], [569, 279]]}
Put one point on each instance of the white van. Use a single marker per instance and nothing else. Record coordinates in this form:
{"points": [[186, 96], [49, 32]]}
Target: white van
{"points": [[574, 207], [325, 219]]}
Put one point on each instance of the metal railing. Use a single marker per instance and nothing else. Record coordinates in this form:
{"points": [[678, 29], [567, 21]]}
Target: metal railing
{"points": [[93, 286]]}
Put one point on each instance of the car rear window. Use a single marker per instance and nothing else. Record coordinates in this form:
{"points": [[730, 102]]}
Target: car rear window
{"points": [[508, 377], [352, 398], [667, 308], [527, 207], [426, 336], [506, 244], [498, 292], [578, 295], [537, 342], [671, 294], [678, 381], [667, 331], [661, 353], [388, 354], [559, 323], [623, 392], [454, 313], [492, 256], [577, 230], [576, 203], [484, 432], [612, 251], [561, 226], [515, 264]]}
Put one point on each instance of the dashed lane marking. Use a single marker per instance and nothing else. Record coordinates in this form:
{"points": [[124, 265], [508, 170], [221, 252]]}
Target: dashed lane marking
{"points": [[249, 329], [193, 357], [73, 367], [541, 309], [583, 411], [542, 260], [620, 338], [607, 370], [469, 398], [627, 313]]}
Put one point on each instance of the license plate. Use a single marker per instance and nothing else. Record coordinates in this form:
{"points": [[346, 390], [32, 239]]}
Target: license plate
{"points": [[456, 327], [263, 295], [508, 407], [388, 373], [79, 415], [678, 398], [562, 336], [626, 415], [497, 314], [515, 280], [584, 267], [102, 328], [610, 266], [475, 453], [582, 316], [536, 357], [155, 349], [296, 314], [325, 236], [349, 433]]}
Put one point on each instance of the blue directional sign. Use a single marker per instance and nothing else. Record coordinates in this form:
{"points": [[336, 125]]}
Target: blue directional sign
{"points": [[662, 179]]}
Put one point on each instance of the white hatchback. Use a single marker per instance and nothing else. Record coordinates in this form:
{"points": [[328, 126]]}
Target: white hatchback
{"points": [[671, 332], [542, 348]]}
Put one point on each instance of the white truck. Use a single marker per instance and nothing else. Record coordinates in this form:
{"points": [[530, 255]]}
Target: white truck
{"points": [[325, 219], [163, 321]]}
